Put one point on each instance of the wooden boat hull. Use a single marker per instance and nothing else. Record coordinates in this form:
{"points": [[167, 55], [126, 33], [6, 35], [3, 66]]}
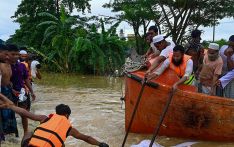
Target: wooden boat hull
{"points": [[190, 115]]}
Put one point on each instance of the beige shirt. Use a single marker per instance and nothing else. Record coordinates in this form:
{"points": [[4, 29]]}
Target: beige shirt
{"points": [[210, 69]]}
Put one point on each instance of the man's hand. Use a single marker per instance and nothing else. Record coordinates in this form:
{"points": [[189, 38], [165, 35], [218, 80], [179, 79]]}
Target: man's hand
{"points": [[151, 76], [174, 87], [15, 93], [147, 72], [218, 83], [103, 145]]}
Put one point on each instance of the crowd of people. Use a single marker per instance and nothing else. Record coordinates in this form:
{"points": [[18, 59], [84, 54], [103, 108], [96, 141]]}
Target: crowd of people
{"points": [[18, 68], [210, 69]]}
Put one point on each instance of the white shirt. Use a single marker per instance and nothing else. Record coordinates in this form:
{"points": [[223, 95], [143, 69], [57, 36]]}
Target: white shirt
{"points": [[224, 57], [169, 49], [34, 68], [227, 78], [166, 63], [155, 50]]}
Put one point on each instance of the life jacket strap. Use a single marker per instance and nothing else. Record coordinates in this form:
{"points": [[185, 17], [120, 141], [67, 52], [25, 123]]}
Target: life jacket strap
{"points": [[44, 139], [52, 132]]}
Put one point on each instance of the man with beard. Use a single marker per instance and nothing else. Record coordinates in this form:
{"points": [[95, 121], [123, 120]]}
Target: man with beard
{"points": [[179, 62], [8, 121], [211, 69]]}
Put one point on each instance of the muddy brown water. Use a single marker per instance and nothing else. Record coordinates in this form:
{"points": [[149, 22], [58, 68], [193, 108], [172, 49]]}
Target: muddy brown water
{"points": [[96, 111]]}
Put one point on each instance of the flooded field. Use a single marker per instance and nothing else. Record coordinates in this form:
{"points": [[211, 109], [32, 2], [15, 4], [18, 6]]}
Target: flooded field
{"points": [[96, 110]]}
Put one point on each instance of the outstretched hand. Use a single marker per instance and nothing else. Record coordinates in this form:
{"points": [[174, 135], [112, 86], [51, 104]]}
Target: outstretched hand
{"points": [[103, 145]]}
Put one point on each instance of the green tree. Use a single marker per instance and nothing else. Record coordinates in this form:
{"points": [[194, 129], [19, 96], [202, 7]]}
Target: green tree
{"points": [[176, 17], [60, 36], [137, 14], [99, 53], [27, 16]]}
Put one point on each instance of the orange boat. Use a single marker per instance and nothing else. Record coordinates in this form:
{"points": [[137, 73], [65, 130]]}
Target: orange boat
{"points": [[190, 114]]}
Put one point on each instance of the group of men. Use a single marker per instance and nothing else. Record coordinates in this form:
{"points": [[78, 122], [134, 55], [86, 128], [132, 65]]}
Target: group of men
{"points": [[210, 69], [17, 70]]}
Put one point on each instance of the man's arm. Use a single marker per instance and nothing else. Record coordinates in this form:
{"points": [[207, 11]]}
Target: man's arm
{"points": [[224, 80], [213, 87], [6, 103], [23, 112], [38, 74], [149, 51], [76, 134], [28, 84], [156, 63], [188, 72], [159, 71]]}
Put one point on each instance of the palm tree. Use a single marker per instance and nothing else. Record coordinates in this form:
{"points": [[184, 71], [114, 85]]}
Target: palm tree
{"points": [[103, 52], [60, 33]]}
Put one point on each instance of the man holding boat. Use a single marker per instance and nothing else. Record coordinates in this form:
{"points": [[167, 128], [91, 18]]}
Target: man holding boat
{"points": [[180, 63]]}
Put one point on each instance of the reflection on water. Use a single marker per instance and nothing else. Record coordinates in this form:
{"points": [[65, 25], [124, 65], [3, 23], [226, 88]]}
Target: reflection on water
{"points": [[96, 110]]}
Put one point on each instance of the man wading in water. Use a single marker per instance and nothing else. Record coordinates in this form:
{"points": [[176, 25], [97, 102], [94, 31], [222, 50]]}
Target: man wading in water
{"points": [[53, 130]]}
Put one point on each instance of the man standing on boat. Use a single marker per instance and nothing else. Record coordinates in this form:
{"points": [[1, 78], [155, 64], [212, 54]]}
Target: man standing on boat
{"points": [[227, 81], [211, 69], [180, 63], [165, 48]]}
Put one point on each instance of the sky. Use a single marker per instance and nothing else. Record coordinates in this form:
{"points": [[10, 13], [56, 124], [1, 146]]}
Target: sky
{"points": [[8, 27]]}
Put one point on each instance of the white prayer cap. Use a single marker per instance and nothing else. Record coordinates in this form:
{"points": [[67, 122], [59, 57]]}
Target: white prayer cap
{"points": [[214, 46], [23, 52], [158, 38]]}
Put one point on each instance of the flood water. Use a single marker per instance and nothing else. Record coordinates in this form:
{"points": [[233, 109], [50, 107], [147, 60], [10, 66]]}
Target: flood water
{"points": [[96, 110]]}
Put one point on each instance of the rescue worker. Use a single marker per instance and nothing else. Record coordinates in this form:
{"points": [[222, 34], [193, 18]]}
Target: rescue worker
{"points": [[180, 63], [53, 131]]}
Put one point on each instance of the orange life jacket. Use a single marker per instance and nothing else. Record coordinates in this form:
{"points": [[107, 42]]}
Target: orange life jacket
{"points": [[28, 70], [180, 70], [52, 133]]}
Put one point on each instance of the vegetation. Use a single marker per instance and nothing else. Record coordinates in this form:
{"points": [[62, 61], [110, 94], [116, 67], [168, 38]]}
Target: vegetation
{"points": [[71, 43], [172, 17]]}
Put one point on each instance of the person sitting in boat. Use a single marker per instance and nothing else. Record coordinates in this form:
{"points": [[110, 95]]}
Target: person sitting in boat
{"points": [[227, 81], [152, 52], [211, 69], [165, 47], [180, 63]]}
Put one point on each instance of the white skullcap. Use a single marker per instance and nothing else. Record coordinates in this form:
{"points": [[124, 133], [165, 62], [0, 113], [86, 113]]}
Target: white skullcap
{"points": [[158, 38], [23, 52], [214, 46]]}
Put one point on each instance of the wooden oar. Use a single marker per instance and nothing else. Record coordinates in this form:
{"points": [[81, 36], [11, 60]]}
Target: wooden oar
{"points": [[134, 112], [162, 118]]}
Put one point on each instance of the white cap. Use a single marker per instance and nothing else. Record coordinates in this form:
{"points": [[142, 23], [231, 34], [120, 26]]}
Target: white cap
{"points": [[214, 46], [23, 52], [158, 38]]}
